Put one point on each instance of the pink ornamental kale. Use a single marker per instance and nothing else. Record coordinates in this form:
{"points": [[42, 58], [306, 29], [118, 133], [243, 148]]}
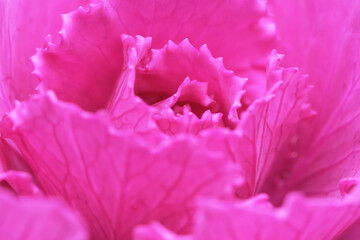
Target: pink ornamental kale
{"points": [[178, 120]]}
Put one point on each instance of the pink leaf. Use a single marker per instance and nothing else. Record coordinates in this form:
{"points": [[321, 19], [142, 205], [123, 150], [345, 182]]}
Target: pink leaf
{"points": [[158, 78], [115, 179], [24, 25], [171, 73], [266, 127], [96, 66], [329, 147], [127, 111], [38, 219], [84, 67], [238, 31], [254, 219]]}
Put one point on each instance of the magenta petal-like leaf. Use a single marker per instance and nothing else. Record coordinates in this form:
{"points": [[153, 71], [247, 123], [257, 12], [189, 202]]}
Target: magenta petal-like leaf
{"points": [[168, 67], [84, 67], [169, 80], [23, 26], [256, 219], [127, 111], [325, 46], [115, 179], [270, 123], [239, 31], [298, 218], [266, 128], [38, 219]]}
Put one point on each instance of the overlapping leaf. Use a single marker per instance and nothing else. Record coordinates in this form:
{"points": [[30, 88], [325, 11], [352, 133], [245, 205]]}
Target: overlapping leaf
{"points": [[115, 179], [35, 219], [327, 148], [24, 25], [298, 218]]}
